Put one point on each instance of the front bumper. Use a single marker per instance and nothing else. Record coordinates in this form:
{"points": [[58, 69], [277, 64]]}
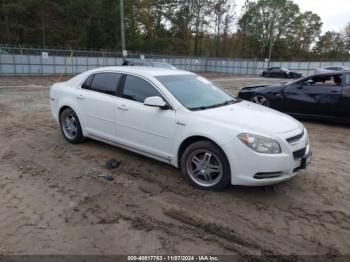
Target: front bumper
{"points": [[249, 168], [305, 161]]}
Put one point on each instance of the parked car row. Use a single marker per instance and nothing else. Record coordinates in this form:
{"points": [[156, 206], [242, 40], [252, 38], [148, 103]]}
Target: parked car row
{"points": [[185, 120], [270, 72], [286, 73]]}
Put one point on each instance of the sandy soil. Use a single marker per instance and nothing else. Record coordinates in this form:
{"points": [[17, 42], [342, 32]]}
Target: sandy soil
{"points": [[52, 200]]}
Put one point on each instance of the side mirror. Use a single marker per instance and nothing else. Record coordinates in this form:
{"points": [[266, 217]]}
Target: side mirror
{"points": [[155, 101]]}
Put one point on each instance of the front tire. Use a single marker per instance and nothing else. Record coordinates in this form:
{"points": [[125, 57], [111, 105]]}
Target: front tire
{"points": [[260, 100], [205, 166], [70, 126]]}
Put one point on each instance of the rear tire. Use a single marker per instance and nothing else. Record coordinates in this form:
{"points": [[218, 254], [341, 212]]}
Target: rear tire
{"points": [[70, 127], [205, 166]]}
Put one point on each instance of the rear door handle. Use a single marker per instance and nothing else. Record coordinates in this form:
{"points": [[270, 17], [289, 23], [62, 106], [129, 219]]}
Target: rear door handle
{"points": [[80, 97], [335, 91], [122, 107]]}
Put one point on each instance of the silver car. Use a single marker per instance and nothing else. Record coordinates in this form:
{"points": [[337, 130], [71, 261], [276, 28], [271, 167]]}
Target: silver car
{"points": [[330, 69]]}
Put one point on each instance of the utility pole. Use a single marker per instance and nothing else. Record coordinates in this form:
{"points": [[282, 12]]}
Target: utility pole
{"points": [[272, 29], [270, 53], [122, 28]]}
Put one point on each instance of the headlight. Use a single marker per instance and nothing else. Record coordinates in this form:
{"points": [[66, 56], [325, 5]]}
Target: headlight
{"points": [[260, 144]]}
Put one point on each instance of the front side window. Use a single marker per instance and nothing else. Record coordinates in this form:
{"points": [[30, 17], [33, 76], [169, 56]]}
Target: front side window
{"points": [[276, 70], [105, 83], [138, 89], [325, 80], [196, 92]]}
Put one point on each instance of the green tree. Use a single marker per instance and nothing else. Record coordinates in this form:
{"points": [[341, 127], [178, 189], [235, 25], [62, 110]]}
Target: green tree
{"points": [[347, 37], [305, 30], [220, 8], [331, 44], [266, 21], [201, 9], [182, 27]]}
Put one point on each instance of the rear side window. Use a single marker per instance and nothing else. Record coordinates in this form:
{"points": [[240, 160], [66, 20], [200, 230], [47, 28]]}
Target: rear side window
{"points": [[87, 83], [105, 83], [137, 89]]}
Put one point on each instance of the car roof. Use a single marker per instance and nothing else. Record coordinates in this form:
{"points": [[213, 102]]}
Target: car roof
{"points": [[155, 62], [334, 66], [340, 72], [142, 70]]}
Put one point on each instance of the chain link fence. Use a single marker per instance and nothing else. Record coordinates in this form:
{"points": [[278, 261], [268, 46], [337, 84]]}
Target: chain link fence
{"points": [[38, 61]]}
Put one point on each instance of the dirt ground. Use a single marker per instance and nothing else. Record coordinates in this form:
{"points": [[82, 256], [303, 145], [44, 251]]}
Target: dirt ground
{"points": [[52, 200]]}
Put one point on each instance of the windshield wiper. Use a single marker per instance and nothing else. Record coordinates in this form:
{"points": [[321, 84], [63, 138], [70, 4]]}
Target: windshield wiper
{"points": [[229, 102]]}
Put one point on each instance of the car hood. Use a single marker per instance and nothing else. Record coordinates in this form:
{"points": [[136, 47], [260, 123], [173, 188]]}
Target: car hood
{"points": [[274, 86], [253, 117]]}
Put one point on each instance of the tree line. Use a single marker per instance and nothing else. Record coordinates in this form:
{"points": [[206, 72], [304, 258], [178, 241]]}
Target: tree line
{"points": [[208, 28]]}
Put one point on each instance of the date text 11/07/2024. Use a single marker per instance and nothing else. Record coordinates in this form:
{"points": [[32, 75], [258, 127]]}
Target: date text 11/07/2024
{"points": [[173, 258]]}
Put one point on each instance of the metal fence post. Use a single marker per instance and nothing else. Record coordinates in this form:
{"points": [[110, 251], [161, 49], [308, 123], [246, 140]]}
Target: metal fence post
{"points": [[22, 66], [41, 64], [14, 64], [29, 65], [1, 69], [247, 68], [65, 64]]}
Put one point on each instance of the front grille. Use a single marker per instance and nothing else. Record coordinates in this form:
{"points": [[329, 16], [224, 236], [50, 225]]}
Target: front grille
{"points": [[299, 154], [296, 138], [267, 175]]}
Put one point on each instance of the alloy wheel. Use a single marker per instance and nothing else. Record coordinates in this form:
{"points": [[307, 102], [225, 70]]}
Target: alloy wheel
{"points": [[70, 126], [205, 168], [261, 100]]}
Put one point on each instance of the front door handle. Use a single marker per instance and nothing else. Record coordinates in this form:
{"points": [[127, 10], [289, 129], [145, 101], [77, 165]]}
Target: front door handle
{"points": [[335, 91], [122, 107], [80, 97]]}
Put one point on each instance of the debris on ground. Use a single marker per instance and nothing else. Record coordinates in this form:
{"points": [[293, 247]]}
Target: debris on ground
{"points": [[112, 164], [107, 177]]}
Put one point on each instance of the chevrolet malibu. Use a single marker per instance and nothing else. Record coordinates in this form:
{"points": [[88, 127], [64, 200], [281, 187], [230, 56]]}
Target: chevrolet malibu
{"points": [[182, 119]]}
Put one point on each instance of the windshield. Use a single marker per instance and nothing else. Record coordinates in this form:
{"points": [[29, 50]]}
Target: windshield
{"points": [[195, 92]]}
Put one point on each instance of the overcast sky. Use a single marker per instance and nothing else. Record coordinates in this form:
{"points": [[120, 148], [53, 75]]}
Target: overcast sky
{"points": [[335, 14]]}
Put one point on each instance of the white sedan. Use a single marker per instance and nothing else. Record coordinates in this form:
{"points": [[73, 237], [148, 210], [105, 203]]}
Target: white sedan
{"points": [[185, 120]]}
